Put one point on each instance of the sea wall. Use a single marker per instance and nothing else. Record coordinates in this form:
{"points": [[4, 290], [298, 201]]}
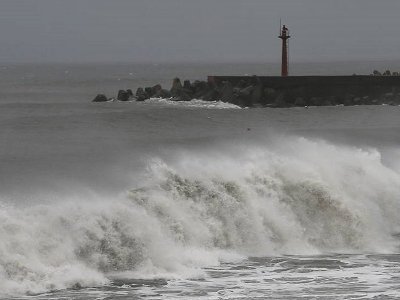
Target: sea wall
{"points": [[290, 91], [276, 91]]}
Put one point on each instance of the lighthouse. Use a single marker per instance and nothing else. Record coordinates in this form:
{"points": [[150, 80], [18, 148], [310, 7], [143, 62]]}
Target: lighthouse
{"points": [[284, 36]]}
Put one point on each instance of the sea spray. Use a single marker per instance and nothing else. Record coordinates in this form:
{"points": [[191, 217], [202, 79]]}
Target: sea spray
{"points": [[294, 196]]}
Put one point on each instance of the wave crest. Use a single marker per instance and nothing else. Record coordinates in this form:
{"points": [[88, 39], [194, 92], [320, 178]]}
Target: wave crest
{"points": [[295, 197]]}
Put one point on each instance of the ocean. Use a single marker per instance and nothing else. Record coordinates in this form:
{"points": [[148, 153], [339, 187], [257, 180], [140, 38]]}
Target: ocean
{"points": [[193, 200]]}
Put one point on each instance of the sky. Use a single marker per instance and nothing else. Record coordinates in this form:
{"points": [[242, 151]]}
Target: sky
{"points": [[197, 30]]}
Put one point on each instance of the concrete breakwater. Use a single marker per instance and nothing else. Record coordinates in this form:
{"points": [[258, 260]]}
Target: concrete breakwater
{"points": [[274, 91]]}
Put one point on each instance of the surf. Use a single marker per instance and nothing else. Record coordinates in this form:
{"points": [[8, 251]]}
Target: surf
{"points": [[288, 196]]}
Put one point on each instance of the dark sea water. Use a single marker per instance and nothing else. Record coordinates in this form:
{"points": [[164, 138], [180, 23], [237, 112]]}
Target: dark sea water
{"points": [[192, 200]]}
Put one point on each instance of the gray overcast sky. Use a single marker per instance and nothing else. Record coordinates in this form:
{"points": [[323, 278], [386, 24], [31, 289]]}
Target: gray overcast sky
{"points": [[197, 30]]}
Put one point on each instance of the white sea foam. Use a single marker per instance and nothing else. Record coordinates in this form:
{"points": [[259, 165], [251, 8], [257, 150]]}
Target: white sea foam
{"points": [[195, 103], [295, 197]]}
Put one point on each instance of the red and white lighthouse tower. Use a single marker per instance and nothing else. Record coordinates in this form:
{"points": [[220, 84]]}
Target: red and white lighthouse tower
{"points": [[284, 36]]}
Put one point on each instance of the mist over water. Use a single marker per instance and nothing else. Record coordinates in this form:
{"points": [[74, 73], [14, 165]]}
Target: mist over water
{"points": [[197, 200]]}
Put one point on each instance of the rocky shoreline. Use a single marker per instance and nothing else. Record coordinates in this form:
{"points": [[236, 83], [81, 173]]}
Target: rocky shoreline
{"points": [[254, 91]]}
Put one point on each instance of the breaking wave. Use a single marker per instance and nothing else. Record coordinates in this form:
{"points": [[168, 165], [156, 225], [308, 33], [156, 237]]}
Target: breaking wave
{"points": [[197, 103], [298, 197]]}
